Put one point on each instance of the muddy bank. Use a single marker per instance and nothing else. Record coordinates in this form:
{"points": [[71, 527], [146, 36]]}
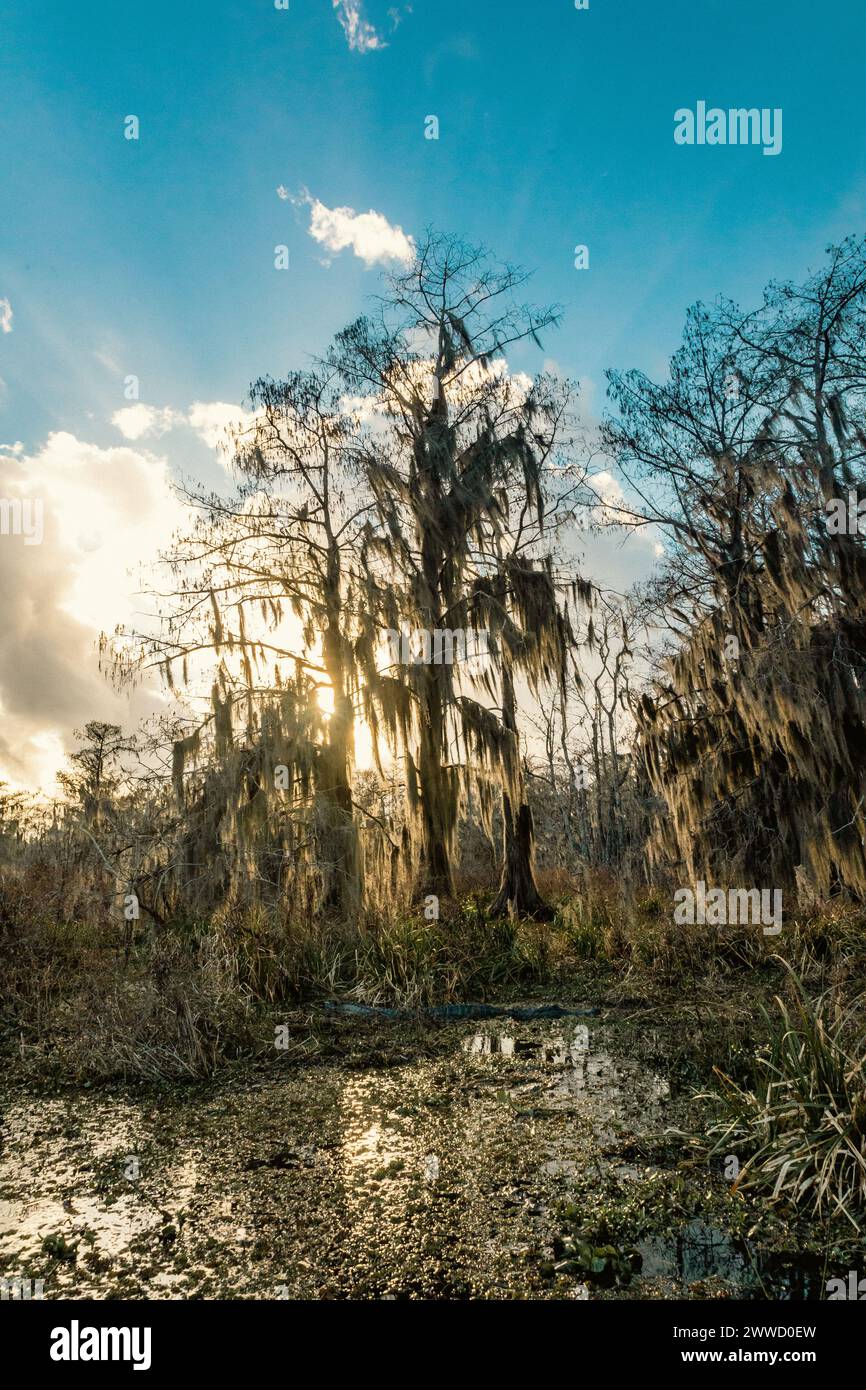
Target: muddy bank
{"points": [[502, 1159]]}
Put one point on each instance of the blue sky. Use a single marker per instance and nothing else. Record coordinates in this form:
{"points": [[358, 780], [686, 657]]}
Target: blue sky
{"points": [[155, 257]]}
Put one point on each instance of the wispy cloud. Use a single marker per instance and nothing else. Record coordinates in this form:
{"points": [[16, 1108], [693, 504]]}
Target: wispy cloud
{"points": [[360, 34], [368, 234], [5, 316]]}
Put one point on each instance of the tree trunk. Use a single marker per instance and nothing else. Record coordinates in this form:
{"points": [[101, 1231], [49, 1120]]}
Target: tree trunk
{"points": [[518, 894], [439, 794], [339, 850], [438, 797]]}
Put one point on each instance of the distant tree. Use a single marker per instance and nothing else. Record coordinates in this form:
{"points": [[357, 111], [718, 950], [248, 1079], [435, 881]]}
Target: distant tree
{"points": [[95, 776]]}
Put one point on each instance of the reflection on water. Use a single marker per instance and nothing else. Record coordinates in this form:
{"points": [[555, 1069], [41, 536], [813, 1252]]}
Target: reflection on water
{"points": [[435, 1178], [596, 1075], [107, 1229], [71, 1201], [558, 1050], [489, 1044], [700, 1251], [73, 1215]]}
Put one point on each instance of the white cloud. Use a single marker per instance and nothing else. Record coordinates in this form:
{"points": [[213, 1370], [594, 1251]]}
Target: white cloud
{"points": [[135, 421], [216, 421], [5, 316], [106, 513], [608, 490], [360, 34], [371, 411], [368, 234]]}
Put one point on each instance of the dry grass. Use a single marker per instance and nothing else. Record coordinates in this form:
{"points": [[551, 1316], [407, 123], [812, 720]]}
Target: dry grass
{"points": [[81, 1000]]}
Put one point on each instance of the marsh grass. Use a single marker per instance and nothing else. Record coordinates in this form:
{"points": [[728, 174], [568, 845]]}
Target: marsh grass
{"points": [[80, 999], [801, 1125], [79, 1003]]}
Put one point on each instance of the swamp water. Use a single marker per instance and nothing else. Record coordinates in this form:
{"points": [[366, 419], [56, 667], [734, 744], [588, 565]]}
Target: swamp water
{"points": [[440, 1177]]}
